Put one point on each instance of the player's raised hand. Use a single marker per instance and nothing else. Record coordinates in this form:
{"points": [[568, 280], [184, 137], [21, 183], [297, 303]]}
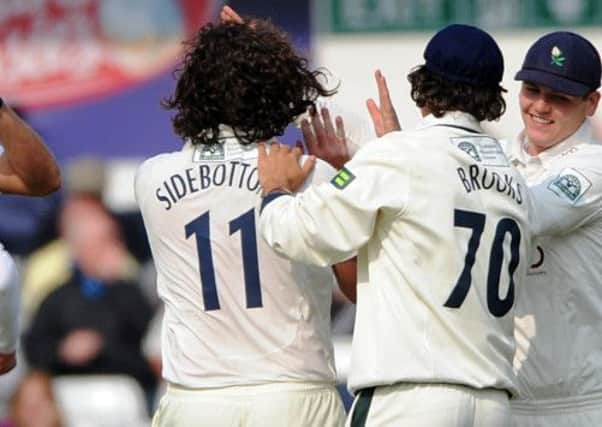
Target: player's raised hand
{"points": [[279, 168], [325, 140], [228, 14], [383, 116]]}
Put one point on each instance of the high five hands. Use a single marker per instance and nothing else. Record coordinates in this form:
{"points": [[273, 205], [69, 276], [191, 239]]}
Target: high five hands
{"points": [[328, 142], [324, 140], [384, 117]]}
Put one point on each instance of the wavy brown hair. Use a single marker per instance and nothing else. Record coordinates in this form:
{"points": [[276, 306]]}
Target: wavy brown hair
{"points": [[247, 76], [440, 95]]}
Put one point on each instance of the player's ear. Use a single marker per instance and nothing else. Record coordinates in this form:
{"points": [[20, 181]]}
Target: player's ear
{"points": [[593, 99]]}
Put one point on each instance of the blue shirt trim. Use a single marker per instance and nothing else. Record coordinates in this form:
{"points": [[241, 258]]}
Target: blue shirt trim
{"points": [[271, 196]]}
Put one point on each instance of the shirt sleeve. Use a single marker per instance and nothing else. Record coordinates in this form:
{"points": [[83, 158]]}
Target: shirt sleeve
{"points": [[9, 303], [329, 222], [566, 201]]}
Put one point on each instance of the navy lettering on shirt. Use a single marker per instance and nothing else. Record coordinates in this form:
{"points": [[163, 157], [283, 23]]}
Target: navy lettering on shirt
{"points": [[204, 176], [475, 178]]}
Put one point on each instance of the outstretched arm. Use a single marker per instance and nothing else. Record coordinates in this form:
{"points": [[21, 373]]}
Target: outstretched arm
{"points": [[26, 166]]}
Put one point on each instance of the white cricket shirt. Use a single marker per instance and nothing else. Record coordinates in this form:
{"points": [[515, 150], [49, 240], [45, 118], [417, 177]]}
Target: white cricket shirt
{"points": [[559, 314], [441, 224], [236, 313]]}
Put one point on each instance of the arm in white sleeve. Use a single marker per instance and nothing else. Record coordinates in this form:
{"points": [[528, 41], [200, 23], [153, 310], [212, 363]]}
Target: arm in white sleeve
{"points": [[328, 223], [566, 201], [9, 304]]}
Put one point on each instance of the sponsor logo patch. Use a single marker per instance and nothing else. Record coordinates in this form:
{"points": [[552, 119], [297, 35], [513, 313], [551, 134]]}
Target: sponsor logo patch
{"points": [[470, 149], [483, 149], [342, 179], [212, 153], [570, 185]]}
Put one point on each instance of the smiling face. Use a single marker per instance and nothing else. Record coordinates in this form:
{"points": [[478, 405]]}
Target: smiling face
{"points": [[551, 117]]}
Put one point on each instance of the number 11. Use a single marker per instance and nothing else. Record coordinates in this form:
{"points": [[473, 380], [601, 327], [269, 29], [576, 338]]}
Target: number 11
{"points": [[246, 224]]}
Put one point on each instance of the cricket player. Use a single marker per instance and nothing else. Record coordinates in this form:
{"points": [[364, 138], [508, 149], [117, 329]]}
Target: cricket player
{"points": [[559, 313], [28, 168], [440, 223], [246, 333]]}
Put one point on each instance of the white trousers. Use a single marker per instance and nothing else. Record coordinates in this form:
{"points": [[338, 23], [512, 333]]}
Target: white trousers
{"points": [[269, 405], [432, 405], [579, 411]]}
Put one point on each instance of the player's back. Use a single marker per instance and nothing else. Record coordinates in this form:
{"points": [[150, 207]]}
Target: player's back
{"points": [[235, 312], [444, 262]]}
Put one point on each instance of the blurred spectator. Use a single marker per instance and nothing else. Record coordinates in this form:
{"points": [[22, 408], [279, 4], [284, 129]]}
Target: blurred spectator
{"points": [[33, 403], [50, 266], [94, 322]]}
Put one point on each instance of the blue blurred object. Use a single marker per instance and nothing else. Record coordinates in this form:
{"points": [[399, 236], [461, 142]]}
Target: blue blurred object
{"points": [[130, 122], [292, 16], [27, 222], [346, 397]]}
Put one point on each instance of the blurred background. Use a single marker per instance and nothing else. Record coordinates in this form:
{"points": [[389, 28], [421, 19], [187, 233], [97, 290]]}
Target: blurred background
{"points": [[89, 75]]}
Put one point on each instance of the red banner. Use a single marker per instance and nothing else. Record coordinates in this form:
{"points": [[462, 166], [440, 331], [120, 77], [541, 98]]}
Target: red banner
{"points": [[60, 51]]}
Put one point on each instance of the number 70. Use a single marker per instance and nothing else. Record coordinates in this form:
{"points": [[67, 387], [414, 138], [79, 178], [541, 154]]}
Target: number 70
{"points": [[476, 222]]}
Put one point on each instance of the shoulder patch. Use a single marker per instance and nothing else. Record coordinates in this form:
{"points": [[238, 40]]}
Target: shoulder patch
{"points": [[343, 178], [483, 149], [570, 185]]}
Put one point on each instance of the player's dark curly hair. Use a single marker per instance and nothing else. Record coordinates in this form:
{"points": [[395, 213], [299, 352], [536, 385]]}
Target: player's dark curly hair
{"points": [[247, 76], [440, 95]]}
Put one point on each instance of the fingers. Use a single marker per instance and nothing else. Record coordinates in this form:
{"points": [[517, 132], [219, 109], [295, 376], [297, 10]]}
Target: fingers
{"points": [[308, 165], [391, 122], [269, 176], [340, 128], [384, 117], [297, 152], [228, 14], [383, 91], [327, 122], [279, 168], [299, 145], [317, 126], [261, 153], [224, 16], [388, 114], [376, 116], [308, 136]]}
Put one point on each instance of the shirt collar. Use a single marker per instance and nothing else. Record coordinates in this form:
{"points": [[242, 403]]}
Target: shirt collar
{"points": [[519, 154], [226, 137], [453, 118]]}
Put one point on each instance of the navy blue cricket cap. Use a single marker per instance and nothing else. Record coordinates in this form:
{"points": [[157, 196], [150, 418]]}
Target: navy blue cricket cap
{"points": [[463, 53], [563, 61]]}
